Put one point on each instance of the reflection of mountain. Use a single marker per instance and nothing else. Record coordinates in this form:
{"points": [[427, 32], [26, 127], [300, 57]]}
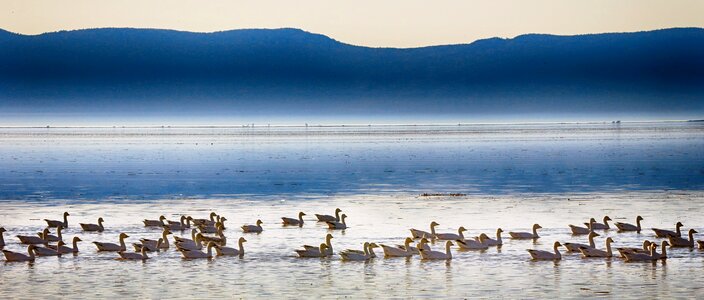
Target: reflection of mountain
{"points": [[289, 70]]}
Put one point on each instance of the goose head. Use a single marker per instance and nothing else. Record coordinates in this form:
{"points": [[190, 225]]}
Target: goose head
{"points": [[433, 224], [77, 239], [606, 218], [609, 240], [162, 218], [123, 235], [301, 214], [557, 244], [2, 229], [592, 220], [646, 244], [343, 216], [45, 232], [593, 234], [449, 244], [679, 224], [259, 222], [337, 210], [167, 231], [212, 215], [639, 218], [242, 240], [328, 237], [66, 214], [61, 243], [664, 244], [461, 229], [499, 230], [536, 226], [408, 241], [223, 219], [692, 231], [100, 220], [373, 245]]}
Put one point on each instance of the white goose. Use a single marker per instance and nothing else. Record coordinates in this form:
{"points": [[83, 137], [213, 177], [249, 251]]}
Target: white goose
{"points": [[197, 254], [680, 242], [228, 251], [575, 247], [417, 234], [576, 230], [526, 235], [253, 228], [16, 256], [356, 255], [338, 225], [401, 250], [2, 238], [154, 244], [546, 255], [294, 222], [593, 252], [663, 233], [55, 223], [154, 223], [452, 236], [142, 255], [472, 245], [645, 249], [328, 246], [486, 240], [601, 226], [111, 246], [93, 227], [329, 218], [629, 227], [148, 247], [312, 252], [437, 255], [61, 246]]}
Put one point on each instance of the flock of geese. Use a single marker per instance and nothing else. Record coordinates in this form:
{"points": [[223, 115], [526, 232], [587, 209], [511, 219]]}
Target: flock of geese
{"points": [[208, 234]]}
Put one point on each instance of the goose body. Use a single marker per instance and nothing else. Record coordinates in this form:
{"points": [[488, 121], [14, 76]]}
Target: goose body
{"points": [[471, 245], [400, 251], [451, 236], [312, 252], [56, 223], [546, 255], [437, 255], [149, 247], [593, 252], [354, 255], [93, 227], [328, 246], [486, 240], [576, 230], [294, 222], [182, 239], [31, 240], [154, 223], [155, 244], [575, 247], [197, 254], [141, 255], [645, 249], [631, 257], [50, 237], [111, 246], [338, 225], [629, 227], [600, 226], [195, 244], [220, 239], [184, 224], [681, 242], [45, 251], [228, 251], [417, 234], [61, 247], [2, 237], [526, 235], [16, 256], [210, 221], [663, 233], [253, 228], [329, 218]]}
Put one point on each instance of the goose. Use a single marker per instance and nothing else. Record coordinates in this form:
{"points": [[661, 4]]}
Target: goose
{"points": [[575, 247], [629, 227], [210, 221], [313, 252], [148, 247], [253, 228], [546, 255], [653, 255], [181, 220], [142, 255], [113, 247], [151, 244], [663, 255], [219, 239], [593, 252], [451, 236], [600, 226], [94, 227], [328, 246], [184, 224], [576, 230], [471, 245], [486, 240], [329, 218], [401, 250], [294, 222], [355, 255], [50, 237], [16, 256], [32, 240], [645, 249], [701, 244], [417, 234], [526, 235], [662, 233], [228, 251], [154, 223], [55, 223], [46, 251], [196, 254], [61, 247], [2, 238], [195, 244], [680, 242], [182, 239], [436, 255], [213, 228], [338, 225]]}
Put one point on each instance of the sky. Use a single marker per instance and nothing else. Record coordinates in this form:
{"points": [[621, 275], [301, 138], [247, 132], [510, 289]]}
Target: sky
{"points": [[376, 23]]}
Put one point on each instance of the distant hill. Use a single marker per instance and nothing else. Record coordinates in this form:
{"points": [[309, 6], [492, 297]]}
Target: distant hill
{"points": [[286, 71]]}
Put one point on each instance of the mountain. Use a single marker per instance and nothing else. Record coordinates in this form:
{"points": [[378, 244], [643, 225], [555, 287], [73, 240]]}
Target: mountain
{"points": [[290, 71]]}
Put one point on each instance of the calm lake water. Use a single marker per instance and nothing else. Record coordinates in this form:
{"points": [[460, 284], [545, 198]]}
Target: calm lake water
{"points": [[512, 175]]}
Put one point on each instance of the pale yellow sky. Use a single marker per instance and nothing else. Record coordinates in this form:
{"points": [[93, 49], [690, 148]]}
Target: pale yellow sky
{"points": [[406, 23]]}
